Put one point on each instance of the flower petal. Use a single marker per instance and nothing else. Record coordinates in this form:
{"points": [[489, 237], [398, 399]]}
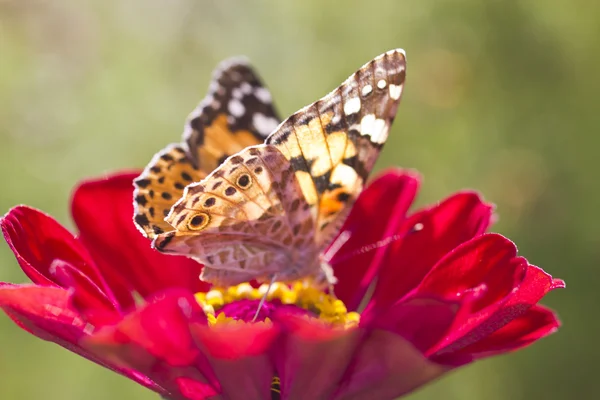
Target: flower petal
{"points": [[103, 211], [37, 240], [311, 357], [46, 313], [488, 260], [473, 323], [423, 321], [386, 366], [43, 311], [536, 323], [239, 356], [87, 298], [431, 233], [156, 340], [383, 204]]}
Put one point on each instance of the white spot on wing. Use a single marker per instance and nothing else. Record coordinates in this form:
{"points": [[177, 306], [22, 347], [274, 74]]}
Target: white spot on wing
{"points": [[237, 93], [352, 106], [395, 91], [366, 124], [344, 175], [246, 88], [380, 131], [263, 95], [366, 90], [236, 108], [263, 124], [381, 83], [376, 128]]}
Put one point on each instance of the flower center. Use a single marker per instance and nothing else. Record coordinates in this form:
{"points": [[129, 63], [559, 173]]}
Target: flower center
{"points": [[240, 302]]}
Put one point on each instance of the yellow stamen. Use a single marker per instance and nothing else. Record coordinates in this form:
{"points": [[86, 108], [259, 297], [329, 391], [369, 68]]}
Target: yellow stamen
{"points": [[325, 307]]}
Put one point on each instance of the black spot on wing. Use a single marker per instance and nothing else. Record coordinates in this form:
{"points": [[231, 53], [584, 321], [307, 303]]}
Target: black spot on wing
{"points": [[299, 163], [141, 220], [143, 183], [322, 182], [141, 199], [280, 136], [209, 202], [343, 197]]}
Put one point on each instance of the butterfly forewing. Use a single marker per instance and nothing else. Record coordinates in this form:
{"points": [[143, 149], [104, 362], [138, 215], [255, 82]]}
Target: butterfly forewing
{"points": [[236, 113], [333, 144]]}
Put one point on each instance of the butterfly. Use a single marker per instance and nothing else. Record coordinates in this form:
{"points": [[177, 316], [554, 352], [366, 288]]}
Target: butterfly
{"points": [[252, 198]]}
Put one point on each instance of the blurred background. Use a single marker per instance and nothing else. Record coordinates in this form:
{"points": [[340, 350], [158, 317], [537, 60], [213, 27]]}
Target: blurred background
{"points": [[501, 96]]}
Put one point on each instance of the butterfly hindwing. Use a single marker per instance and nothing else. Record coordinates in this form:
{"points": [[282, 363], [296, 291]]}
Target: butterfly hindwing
{"points": [[333, 143], [236, 113]]}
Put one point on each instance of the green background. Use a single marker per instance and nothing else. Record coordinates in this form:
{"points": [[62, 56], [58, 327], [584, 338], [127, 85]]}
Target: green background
{"points": [[501, 96]]}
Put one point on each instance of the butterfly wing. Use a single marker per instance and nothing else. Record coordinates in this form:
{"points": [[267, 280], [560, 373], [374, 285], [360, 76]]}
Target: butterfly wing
{"points": [[272, 208], [236, 113], [333, 143], [243, 218]]}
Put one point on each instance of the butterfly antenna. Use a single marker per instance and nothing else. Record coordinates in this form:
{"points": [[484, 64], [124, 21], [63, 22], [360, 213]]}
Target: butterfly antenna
{"points": [[376, 245], [264, 298]]}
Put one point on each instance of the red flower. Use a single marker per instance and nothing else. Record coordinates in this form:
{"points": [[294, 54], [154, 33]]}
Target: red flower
{"points": [[446, 294]]}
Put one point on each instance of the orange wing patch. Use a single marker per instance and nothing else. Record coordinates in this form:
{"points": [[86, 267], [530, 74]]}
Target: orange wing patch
{"points": [[160, 186], [220, 142]]}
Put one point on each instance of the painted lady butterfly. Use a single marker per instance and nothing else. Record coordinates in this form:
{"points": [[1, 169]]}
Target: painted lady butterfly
{"points": [[254, 199]]}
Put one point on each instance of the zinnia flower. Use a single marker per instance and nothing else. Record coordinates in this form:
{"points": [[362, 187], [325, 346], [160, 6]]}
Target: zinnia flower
{"points": [[418, 295]]}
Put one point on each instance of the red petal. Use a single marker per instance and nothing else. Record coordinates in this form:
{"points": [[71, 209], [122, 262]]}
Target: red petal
{"points": [[473, 324], [103, 211], [534, 324], [441, 228], [43, 311], [386, 366], [238, 354], [37, 240], [157, 341], [423, 321], [87, 298], [377, 214], [311, 357], [46, 313], [489, 260]]}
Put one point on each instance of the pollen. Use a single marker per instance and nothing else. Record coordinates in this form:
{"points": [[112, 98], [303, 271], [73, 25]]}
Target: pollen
{"points": [[316, 302]]}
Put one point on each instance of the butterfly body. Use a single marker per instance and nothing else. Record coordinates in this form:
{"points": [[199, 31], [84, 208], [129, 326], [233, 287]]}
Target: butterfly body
{"points": [[271, 209]]}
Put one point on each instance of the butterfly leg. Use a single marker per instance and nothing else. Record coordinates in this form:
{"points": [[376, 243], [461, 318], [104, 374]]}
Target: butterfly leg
{"points": [[264, 298]]}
